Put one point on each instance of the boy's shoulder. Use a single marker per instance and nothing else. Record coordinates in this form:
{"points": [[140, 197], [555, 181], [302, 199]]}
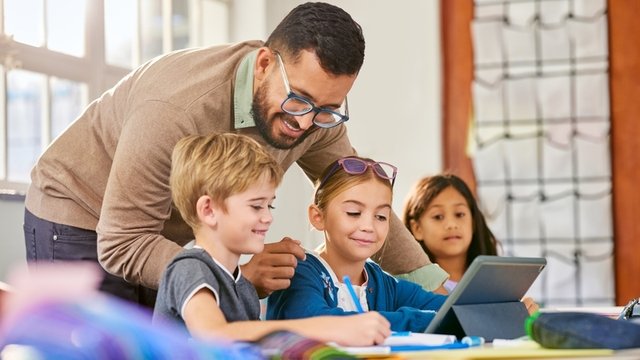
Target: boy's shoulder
{"points": [[193, 253], [195, 258]]}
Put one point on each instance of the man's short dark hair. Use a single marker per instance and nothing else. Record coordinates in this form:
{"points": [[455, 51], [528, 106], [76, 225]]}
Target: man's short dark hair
{"points": [[325, 29]]}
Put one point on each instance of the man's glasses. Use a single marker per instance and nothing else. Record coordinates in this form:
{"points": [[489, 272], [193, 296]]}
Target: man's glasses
{"points": [[297, 105], [355, 166]]}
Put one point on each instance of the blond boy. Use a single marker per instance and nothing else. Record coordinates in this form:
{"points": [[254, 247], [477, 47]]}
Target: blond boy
{"points": [[224, 186]]}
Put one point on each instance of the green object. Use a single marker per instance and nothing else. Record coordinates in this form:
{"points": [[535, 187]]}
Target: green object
{"points": [[528, 323]]}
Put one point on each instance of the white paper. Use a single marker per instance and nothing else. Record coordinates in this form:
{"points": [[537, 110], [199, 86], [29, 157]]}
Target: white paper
{"points": [[413, 338], [489, 162], [554, 42], [557, 216], [561, 279], [557, 161], [492, 11], [588, 8], [520, 43], [589, 37], [487, 102], [553, 12], [524, 213], [522, 158], [596, 269], [592, 95], [554, 96], [521, 99], [487, 42], [595, 217], [593, 157], [521, 13]]}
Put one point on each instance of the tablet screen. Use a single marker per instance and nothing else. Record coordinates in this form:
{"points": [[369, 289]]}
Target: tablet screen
{"points": [[489, 279]]}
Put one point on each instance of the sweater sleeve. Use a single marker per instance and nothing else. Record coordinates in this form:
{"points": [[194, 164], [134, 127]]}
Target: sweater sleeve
{"points": [[311, 294], [137, 199]]}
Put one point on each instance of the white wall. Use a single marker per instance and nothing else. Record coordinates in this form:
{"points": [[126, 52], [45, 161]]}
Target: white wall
{"points": [[395, 106]]}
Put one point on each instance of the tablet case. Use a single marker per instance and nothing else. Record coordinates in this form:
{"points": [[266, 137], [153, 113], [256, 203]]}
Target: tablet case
{"points": [[486, 301]]}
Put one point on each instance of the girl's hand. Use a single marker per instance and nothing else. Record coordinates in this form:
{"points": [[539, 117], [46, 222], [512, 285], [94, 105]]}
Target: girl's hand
{"points": [[366, 329]]}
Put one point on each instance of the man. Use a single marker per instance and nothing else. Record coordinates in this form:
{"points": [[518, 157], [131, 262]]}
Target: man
{"points": [[101, 190]]}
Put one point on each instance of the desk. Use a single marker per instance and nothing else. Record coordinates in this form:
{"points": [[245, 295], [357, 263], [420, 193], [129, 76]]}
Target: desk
{"points": [[529, 350], [532, 351]]}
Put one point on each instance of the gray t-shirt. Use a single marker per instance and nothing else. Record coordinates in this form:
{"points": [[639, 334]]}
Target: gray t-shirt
{"points": [[194, 269]]}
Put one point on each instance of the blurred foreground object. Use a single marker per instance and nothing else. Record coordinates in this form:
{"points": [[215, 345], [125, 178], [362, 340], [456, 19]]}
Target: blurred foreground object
{"points": [[55, 312]]}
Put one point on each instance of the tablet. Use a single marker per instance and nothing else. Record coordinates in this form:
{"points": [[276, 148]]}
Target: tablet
{"points": [[486, 301]]}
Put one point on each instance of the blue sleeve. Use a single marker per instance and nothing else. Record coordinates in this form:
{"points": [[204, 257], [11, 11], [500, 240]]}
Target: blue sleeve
{"points": [[309, 295], [409, 319], [407, 306]]}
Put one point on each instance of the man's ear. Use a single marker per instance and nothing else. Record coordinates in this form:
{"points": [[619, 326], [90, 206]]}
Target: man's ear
{"points": [[208, 211], [415, 229], [265, 60], [316, 217]]}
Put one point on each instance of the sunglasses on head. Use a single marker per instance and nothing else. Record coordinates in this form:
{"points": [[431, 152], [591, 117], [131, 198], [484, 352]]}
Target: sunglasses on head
{"points": [[355, 166]]}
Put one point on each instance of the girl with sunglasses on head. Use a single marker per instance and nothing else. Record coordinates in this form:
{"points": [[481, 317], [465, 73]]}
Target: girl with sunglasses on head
{"points": [[352, 207], [443, 216]]}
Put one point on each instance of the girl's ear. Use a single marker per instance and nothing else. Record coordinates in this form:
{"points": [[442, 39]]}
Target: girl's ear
{"points": [[207, 211], [316, 217], [415, 229]]}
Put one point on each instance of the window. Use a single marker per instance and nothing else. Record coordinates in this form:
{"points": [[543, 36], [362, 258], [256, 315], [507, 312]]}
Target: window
{"points": [[58, 55]]}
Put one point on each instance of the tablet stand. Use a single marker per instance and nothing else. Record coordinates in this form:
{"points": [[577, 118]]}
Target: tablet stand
{"points": [[491, 321]]}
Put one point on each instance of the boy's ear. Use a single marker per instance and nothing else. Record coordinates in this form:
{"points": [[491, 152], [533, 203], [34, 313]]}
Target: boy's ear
{"points": [[207, 210], [316, 218], [415, 229]]}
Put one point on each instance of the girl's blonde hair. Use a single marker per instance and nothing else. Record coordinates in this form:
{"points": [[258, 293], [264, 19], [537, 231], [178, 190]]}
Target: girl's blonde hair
{"points": [[217, 165]]}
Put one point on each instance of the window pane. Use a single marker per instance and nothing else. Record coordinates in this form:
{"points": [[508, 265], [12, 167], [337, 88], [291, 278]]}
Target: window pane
{"points": [[23, 19], [120, 29], [25, 93], [151, 26], [215, 27], [65, 26], [180, 24], [68, 99]]}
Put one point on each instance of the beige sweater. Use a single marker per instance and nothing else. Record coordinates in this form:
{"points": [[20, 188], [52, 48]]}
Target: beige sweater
{"points": [[110, 170]]}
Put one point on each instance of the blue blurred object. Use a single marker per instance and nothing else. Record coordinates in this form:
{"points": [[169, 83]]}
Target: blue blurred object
{"points": [[104, 327]]}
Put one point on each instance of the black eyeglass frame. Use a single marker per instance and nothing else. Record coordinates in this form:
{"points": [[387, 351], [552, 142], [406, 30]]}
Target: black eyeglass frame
{"points": [[312, 107]]}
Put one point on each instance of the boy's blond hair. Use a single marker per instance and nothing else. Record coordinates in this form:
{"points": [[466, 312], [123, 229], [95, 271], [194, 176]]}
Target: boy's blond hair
{"points": [[217, 165]]}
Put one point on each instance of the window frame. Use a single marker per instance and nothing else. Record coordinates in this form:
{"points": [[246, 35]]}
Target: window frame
{"points": [[91, 70]]}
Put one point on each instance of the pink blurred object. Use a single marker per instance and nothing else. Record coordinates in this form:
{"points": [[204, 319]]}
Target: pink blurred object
{"points": [[48, 282]]}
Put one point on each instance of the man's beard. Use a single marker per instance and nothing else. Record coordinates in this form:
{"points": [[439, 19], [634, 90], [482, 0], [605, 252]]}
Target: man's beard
{"points": [[265, 126]]}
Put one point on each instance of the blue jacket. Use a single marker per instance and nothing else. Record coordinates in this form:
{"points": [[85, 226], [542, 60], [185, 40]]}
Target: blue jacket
{"points": [[313, 293]]}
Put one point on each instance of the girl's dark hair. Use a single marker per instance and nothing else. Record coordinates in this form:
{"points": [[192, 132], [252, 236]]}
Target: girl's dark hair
{"points": [[483, 242], [325, 29]]}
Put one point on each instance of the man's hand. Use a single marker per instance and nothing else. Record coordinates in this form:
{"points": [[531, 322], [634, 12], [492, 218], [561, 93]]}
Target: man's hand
{"points": [[273, 268]]}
